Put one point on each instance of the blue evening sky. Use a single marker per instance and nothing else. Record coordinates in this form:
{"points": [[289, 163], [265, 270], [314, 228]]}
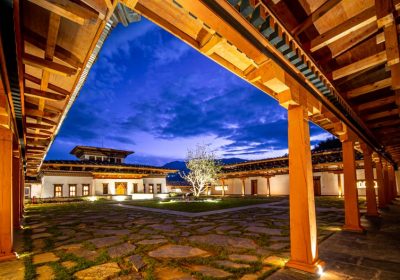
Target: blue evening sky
{"points": [[151, 93]]}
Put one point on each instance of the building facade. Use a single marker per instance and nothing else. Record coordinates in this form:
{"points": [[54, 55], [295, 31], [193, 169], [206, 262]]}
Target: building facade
{"points": [[97, 172]]}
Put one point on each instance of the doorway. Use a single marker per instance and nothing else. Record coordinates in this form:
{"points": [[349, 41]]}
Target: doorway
{"points": [[317, 185], [254, 187], [121, 188]]}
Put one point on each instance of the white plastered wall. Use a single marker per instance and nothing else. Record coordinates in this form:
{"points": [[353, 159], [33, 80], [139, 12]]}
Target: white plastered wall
{"points": [[155, 181], [98, 185], [48, 183]]}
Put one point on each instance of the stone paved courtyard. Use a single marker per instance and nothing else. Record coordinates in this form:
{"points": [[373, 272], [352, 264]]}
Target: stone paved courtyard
{"points": [[103, 241]]}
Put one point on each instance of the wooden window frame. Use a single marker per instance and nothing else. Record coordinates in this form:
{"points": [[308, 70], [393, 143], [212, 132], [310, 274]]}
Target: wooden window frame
{"points": [[105, 185], [69, 190], [83, 189], [151, 188], [55, 190], [158, 187]]}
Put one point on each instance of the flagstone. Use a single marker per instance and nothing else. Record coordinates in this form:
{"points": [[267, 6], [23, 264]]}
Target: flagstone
{"points": [[38, 244], [12, 270], [243, 258], [44, 258], [264, 230], [68, 264], [38, 230], [111, 231], [98, 272], [44, 272], [120, 250], [169, 273], [37, 225], [257, 275], [177, 252], [105, 241], [210, 271], [274, 260], [232, 264], [41, 235], [225, 241], [163, 227], [137, 262], [152, 241]]}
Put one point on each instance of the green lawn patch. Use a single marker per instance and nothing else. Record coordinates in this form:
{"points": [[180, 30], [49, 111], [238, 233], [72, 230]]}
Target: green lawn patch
{"points": [[202, 206]]}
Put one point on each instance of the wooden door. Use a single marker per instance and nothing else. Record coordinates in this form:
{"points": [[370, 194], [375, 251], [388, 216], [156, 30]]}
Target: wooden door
{"points": [[121, 188], [254, 187], [317, 185]]}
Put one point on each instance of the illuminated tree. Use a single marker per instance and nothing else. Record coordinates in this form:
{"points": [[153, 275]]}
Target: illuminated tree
{"points": [[203, 169]]}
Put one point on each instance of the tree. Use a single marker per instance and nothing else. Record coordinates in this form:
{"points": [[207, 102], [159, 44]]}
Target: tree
{"points": [[203, 169], [328, 144]]}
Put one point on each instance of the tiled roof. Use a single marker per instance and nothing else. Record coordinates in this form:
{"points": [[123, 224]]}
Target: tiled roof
{"points": [[102, 164]]}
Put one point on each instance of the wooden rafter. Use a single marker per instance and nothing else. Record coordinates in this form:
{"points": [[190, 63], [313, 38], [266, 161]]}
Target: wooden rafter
{"points": [[47, 65], [38, 136], [386, 123], [59, 52], [376, 103], [314, 16], [360, 65], [382, 114], [43, 94], [40, 114], [38, 126], [45, 120], [369, 88], [67, 9], [55, 88]]}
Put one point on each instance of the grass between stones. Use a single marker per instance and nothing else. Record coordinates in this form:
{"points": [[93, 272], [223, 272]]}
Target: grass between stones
{"points": [[202, 206]]}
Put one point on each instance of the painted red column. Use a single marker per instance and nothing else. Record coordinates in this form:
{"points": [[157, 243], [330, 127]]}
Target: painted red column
{"points": [[381, 184], [393, 186], [352, 214], [16, 189], [6, 217], [372, 209], [303, 227], [386, 182]]}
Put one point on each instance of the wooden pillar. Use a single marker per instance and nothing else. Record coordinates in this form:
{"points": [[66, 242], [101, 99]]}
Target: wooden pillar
{"points": [[381, 184], [352, 215], [6, 217], [223, 187], [372, 209], [16, 188], [22, 193], [393, 185], [268, 186], [386, 182], [394, 182], [303, 228], [340, 187], [243, 186]]}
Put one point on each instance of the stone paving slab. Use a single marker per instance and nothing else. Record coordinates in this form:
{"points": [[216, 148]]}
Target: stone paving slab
{"points": [[98, 272], [12, 270], [177, 252]]}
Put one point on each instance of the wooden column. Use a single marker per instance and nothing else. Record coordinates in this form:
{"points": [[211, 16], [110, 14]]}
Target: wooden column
{"points": [[6, 217], [352, 215], [268, 186], [303, 228], [372, 209], [386, 181], [393, 187], [394, 182], [243, 186], [340, 187], [16, 189], [223, 187], [381, 184]]}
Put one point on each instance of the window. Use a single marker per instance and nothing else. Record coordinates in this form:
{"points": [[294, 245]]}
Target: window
{"points": [[85, 189], [98, 158], [118, 160], [144, 188], [158, 188], [72, 190], [135, 187], [105, 188], [151, 186], [57, 190], [91, 157], [27, 192], [112, 160]]}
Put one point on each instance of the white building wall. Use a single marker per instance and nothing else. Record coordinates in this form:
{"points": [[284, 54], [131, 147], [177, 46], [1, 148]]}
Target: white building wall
{"points": [[279, 184], [156, 181], [98, 185], [36, 190], [48, 183]]}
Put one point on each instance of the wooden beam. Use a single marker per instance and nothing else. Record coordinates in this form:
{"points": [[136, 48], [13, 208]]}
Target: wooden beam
{"points": [[314, 16], [385, 123], [43, 94], [67, 9], [376, 103], [382, 114], [53, 87], [50, 66], [38, 136], [360, 65], [355, 23], [369, 88], [38, 126], [380, 38], [40, 114], [45, 120], [384, 12], [40, 42]]}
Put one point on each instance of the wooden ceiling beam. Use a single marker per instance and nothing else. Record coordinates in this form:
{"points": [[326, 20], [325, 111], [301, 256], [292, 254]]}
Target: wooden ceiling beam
{"points": [[44, 94], [38, 136], [359, 65], [47, 65], [48, 109], [68, 9], [376, 103], [385, 123], [53, 87], [40, 42], [382, 114], [369, 88], [45, 120], [336, 33], [40, 114], [380, 38], [314, 16], [39, 126]]}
